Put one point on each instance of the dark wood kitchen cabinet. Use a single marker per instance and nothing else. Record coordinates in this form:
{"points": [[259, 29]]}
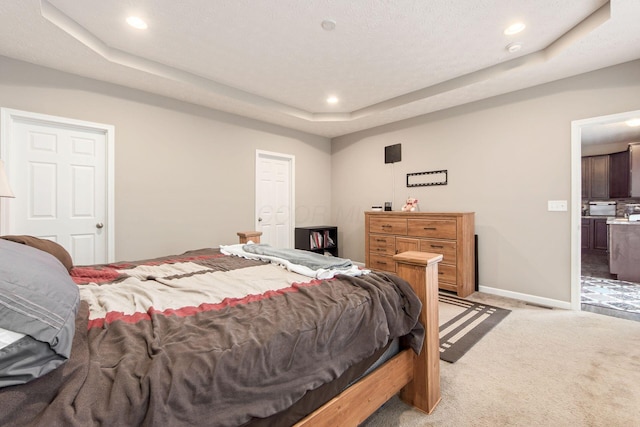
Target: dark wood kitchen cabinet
{"points": [[595, 235], [586, 179], [619, 174], [600, 234], [586, 227], [595, 177]]}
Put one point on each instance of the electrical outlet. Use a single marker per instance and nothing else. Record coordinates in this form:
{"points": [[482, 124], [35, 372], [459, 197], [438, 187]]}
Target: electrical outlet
{"points": [[557, 205]]}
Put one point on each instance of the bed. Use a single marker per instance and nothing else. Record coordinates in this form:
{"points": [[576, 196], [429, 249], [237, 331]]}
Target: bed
{"points": [[206, 338]]}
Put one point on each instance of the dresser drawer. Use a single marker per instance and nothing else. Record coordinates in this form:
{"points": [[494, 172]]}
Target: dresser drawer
{"points": [[382, 245], [388, 225], [447, 273], [447, 286], [381, 262], [446, 248], [434, 228], [404, 244]]}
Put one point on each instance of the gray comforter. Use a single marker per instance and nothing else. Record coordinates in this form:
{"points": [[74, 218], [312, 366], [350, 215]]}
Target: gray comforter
{"points": [[297, 256]]}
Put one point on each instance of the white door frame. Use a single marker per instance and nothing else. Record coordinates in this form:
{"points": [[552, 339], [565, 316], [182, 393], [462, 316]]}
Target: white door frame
{"points": [[291, 161], [9, 116], [576, 194]]}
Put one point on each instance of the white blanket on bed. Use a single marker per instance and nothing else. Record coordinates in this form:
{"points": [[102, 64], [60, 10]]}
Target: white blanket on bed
{"points": [[320, 273]]}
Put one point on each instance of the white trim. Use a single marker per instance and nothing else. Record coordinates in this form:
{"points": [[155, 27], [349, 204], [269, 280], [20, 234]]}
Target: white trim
{"points": [[576, 193], [576, 212], [546, 302], [291, 159], [8, 116]]}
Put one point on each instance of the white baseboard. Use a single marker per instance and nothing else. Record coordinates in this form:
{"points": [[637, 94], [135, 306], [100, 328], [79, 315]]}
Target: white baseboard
{"points": [[545, 302]]}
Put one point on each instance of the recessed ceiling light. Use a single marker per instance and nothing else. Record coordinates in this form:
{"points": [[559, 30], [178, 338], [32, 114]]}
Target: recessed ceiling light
{"points": [[136, 22], [514, 47], [328, 25], [332, 100], [633, 122], [514, 28]]}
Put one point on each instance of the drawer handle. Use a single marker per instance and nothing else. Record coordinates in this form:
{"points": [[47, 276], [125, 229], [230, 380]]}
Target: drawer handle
{"points": [[381, 240], [437, 246], [440, 272], [429, 228], [381, 263], [381, 249], [386, 225]]}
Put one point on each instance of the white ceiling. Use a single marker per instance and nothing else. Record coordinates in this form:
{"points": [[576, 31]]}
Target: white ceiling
{"points": [[271, 60]]}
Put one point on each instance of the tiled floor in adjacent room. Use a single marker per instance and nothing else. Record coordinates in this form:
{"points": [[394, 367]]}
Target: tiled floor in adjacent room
{"points": [[602, 293]]}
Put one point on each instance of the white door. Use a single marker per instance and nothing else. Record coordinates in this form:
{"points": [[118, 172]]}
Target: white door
{"points": [[59, 173], [275, 198]]}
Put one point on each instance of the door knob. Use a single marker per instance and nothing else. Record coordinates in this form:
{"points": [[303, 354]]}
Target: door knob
{"points": [[99, 225], [259, 219]]}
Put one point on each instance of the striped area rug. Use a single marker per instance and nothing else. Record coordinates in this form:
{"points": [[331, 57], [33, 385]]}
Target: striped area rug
{"points": [[463, 323]]}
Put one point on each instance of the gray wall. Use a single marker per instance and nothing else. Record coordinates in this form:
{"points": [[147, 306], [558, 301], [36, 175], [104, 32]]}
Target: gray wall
{"points": [[184, 175], [506, 157]]}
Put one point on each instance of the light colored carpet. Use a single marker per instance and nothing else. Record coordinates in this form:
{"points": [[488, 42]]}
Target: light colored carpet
{"points": [[538, 367]]}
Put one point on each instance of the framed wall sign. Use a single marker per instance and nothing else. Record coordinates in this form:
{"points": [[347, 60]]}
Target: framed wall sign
{"points": [[422, 179]]}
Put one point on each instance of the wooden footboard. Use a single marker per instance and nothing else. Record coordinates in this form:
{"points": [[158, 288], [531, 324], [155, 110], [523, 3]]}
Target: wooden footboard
{"points": [[420, 269], [417, 376]]}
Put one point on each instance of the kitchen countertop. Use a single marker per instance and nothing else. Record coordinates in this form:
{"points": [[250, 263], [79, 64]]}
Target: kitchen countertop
{"points": [[621, 221], [613, 220]]}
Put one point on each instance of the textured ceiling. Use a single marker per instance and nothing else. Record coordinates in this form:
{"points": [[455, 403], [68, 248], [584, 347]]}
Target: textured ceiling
{"points": [[272, 61]]}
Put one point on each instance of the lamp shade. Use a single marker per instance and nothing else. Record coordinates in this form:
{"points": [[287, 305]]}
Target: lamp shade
{"points": [[5, 190]]}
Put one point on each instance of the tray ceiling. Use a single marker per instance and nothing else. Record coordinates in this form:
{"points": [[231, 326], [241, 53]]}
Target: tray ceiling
{"points": [[273, 61]]}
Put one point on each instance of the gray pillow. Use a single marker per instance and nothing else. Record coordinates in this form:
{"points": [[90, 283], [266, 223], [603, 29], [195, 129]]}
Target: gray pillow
{"points": [[38, 299]]}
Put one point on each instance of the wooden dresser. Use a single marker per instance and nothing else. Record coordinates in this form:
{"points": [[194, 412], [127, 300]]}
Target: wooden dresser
{"points": [[449, 234]]}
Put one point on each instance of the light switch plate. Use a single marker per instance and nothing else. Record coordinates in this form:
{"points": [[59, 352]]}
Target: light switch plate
{"points": [[557, 205]]}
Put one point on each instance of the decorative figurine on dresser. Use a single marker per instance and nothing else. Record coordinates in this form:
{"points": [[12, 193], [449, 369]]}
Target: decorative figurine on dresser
{"points": [[449, 234]]}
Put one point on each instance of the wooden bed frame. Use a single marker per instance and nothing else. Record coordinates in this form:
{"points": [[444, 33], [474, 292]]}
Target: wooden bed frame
{"points": [[416, 377]]}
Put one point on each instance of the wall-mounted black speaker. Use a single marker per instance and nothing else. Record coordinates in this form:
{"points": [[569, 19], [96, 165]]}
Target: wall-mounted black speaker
{"points": [[392, 153]]}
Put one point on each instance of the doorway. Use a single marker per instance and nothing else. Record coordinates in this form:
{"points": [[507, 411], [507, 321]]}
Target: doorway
{"points": [[592, 287], [61, 171], [275, 178]]}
